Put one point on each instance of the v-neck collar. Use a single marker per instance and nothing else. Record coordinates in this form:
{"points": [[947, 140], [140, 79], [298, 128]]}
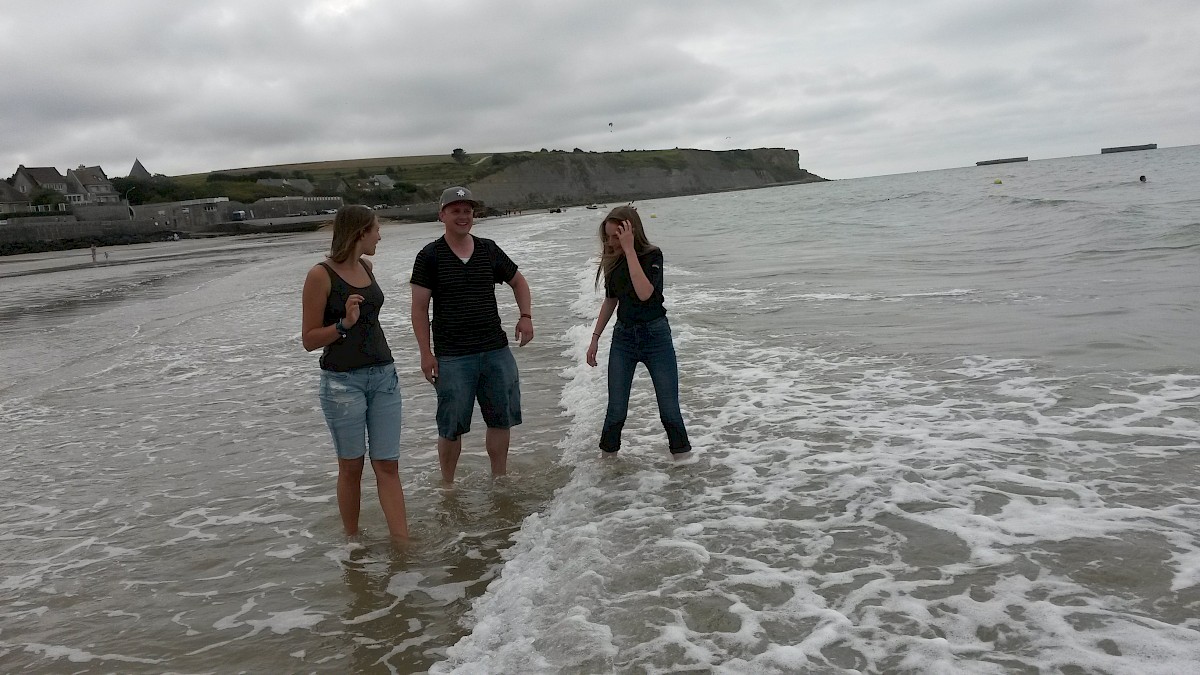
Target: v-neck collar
{"points": [[474, 246]]}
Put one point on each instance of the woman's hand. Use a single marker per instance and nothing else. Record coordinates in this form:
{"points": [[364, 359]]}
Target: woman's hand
{"points": [[591, 352], [352, 309], [625, 237]]}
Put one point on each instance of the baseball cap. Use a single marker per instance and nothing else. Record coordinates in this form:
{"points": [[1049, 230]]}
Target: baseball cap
{"points": [[456, 194]]}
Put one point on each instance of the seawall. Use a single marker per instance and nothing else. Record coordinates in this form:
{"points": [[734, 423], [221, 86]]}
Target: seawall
{"points": [[31, 237]]}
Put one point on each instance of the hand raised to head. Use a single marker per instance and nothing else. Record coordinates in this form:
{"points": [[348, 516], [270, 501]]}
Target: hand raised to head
{"points": [[625, 235]]}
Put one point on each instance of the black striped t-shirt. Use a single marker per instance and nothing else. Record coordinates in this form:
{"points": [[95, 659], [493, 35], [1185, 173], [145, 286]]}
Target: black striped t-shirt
{"points": [[466, 319]]}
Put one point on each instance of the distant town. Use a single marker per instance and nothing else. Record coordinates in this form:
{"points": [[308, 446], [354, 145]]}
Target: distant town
{"points": [[42, 208], [88, 193]]}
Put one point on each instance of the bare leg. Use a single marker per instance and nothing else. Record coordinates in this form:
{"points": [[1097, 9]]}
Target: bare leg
{"points": [[349, 492], [496, 442], [448, 452], [391, 497]]}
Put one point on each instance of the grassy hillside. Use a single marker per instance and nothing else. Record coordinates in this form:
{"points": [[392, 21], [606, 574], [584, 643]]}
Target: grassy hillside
{"points": [[421, 178], [418, 169], [437, 171]]}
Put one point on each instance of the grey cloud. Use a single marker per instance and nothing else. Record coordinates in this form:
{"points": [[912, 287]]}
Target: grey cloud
{"points": [[872, 87]]}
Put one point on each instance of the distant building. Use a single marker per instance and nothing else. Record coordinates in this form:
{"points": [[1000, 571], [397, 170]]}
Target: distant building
{"points": [[29, 179], [86, 185], [89, 185], [302, 185], [189, 215], [282, 207], [11, 200], [139, 172], [331, 186], [382, 180], [362, 184]]}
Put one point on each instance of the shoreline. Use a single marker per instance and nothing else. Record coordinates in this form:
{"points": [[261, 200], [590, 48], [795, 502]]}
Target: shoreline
{"points": [[79, 257], [40, 262]]}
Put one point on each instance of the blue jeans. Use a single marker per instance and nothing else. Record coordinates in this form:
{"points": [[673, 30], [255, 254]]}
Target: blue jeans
{"points": [[649, 343], [360, 404]]}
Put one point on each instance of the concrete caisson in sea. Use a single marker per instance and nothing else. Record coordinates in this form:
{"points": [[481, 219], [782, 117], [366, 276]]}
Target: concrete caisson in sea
{"points": [[1129, 148], [1008, 160]]}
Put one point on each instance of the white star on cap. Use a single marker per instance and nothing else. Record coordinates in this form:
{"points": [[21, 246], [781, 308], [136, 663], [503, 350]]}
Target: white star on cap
{"points": [[462, 193]]}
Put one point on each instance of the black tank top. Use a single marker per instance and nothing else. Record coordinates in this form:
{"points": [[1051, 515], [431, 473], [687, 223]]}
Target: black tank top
{"points": [[364, 344]]}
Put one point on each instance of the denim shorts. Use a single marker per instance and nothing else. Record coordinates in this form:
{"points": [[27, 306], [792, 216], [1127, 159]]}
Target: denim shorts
{"points": [[491, 377], [362, 406]]}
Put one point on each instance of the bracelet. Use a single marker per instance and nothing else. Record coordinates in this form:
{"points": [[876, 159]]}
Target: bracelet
{"points": [[596, 334], [527, 316]]}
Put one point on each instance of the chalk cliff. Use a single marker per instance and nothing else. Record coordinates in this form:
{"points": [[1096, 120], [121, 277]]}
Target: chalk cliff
{"points": [[545, 179]]}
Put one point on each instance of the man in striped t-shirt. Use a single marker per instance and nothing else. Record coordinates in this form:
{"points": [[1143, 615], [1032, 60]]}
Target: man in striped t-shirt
{"points": [[458, 272]]}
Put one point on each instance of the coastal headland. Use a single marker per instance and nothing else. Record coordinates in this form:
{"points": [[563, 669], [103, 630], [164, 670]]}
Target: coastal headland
{"points": [[403, 188]]}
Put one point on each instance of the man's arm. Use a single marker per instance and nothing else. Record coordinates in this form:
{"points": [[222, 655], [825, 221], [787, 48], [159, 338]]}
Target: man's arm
{"points": [[520, 287], [420, 326]]}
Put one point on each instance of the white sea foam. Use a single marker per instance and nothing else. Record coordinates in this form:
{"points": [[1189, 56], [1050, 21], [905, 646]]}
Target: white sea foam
{"points": [[282, 622], [83, 656], [847, 512], [914, 452], [290, 551]]}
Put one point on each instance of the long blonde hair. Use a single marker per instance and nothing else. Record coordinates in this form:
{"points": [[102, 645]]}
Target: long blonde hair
{"points": [[349, 225], [609, 258]]}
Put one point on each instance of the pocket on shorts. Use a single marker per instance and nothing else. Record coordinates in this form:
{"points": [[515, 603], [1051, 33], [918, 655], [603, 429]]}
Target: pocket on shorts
{"points": [[391, 379], [334, 385]]}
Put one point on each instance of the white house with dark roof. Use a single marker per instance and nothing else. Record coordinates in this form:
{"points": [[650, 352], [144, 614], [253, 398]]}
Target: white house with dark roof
{"points": [[11, 200], [89, 185], [84, 186], [302, 185], [383, 180], [28, 179]]}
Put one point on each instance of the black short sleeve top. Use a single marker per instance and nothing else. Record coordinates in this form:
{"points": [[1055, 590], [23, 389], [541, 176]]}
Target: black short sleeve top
{"points": [[617, 284], [466, 319]]}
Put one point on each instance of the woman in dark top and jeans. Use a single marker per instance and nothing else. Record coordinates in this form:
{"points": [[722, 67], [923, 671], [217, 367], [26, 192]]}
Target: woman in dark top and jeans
{"points": [[359, 391], [633, 287]]}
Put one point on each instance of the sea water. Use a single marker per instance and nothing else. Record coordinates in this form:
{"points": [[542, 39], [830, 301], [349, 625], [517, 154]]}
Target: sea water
{"points": [[942, 424]]}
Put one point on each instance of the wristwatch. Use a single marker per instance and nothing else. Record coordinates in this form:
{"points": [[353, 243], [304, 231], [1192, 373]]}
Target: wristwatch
{"points": [[342, 330]]}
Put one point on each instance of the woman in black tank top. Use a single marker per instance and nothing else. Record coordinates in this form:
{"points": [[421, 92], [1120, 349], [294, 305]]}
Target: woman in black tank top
{"points": [[359, 390]]}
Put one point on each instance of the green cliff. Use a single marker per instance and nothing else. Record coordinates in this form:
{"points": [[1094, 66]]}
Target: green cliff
{"points": [[532, 180]]}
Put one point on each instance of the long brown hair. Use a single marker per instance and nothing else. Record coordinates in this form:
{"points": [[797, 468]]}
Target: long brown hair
{"points": [[610, 258], [349, 225]]}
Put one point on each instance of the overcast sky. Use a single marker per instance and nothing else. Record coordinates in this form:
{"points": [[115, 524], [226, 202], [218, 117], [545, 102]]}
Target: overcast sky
{"points": [[859, 88]]}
